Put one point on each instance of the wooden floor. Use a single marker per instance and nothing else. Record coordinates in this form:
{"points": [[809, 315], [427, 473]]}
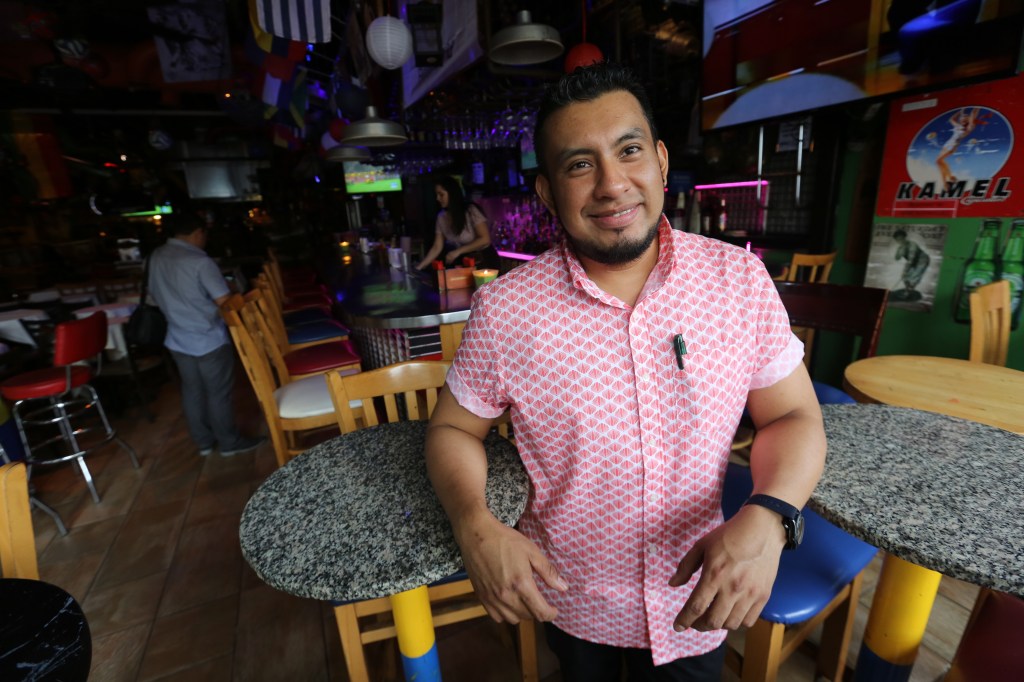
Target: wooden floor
{"points": [[157, 568]]}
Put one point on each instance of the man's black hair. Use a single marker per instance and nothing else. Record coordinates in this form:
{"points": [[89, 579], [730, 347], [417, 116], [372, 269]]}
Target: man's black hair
{"points": [[181, 223], [899, 233], [585, 84]]}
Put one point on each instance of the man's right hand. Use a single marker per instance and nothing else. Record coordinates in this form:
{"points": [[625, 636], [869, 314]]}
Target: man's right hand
{"points": [[501, 562]]}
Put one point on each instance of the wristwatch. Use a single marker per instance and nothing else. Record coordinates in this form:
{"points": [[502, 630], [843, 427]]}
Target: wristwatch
{"points": [[792, 519]]}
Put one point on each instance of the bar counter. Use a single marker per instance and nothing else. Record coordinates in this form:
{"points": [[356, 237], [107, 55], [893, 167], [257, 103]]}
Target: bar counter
{"points": [[394, 315]]}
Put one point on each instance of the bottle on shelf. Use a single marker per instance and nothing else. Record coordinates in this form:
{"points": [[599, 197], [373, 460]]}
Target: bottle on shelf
{"points": [[723, 224], [1012, 269], [980, 268]]}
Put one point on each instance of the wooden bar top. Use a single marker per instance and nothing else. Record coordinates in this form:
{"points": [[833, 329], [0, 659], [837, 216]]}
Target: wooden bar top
{"points": [[984, 393]]}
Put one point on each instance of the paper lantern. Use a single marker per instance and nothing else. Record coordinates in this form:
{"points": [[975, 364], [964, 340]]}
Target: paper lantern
{"points": [[583, 54], [389, 42]]}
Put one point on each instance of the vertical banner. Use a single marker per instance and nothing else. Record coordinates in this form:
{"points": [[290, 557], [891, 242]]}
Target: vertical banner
{"points": [[906, 259], [952, 154]]}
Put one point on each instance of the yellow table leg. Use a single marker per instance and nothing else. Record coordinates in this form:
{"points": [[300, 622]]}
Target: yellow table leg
{"points": [[415, 628], [897, 621]]}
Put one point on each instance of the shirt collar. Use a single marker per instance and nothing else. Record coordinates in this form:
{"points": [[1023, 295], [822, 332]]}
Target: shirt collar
{"points": [[659, 274], [185, 245]]}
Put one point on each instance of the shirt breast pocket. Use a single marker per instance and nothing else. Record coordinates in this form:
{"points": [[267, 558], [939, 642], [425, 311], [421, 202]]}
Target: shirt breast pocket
{"points": [[712, 386]]}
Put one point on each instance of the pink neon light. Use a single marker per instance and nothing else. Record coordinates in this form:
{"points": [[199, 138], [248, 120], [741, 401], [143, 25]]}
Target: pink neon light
{"points": [[516, 256], [722, 185]]}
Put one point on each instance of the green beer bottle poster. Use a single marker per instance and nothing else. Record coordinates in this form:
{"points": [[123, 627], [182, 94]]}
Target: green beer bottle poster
{"points": [[981, 268]]}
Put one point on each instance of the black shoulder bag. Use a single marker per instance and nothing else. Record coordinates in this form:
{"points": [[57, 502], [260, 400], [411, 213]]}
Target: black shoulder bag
{"points": [[147, 325]]}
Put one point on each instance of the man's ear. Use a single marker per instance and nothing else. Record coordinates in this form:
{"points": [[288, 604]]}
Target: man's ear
{"points": [[543, 189]]}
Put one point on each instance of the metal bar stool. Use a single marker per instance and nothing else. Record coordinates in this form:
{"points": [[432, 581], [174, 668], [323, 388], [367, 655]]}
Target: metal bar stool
{"points": [[61, 396]]}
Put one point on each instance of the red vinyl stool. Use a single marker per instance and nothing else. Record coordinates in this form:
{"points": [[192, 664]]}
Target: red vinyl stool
{"points": [[61, 396]]}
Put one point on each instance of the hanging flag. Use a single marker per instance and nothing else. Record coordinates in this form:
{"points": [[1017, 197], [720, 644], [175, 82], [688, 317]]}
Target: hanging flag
{"points": [[303, 20], [286, 136], [286, 100]]}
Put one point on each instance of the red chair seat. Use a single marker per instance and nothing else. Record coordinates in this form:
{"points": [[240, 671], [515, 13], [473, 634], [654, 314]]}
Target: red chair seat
{"points": [[301, 302], [43, 383], [293, 290], [321, 358]]}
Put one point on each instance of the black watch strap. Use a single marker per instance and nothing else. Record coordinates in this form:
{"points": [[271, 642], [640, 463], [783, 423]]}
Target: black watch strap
{"points": [[781, 507]]}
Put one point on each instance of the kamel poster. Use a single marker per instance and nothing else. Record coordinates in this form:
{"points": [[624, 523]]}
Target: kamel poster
{"points": [[952, 154], [906, 259]]}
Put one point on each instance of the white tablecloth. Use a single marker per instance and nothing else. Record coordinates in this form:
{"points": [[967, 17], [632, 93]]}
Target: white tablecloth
{"points": [[117, 314], [12, 329]]}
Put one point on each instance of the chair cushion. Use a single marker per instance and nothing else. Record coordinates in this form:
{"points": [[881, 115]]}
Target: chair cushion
{"points": [[813, 573], [43, 383], [307, 397], [322, 357], [987, 650], [305, 316], [316, 331], [830, 395], [308, 299], [295, 290]]}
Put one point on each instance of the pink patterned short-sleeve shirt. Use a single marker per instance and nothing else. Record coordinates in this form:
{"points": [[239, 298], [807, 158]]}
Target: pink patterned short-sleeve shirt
{"points": [[625, 451]]}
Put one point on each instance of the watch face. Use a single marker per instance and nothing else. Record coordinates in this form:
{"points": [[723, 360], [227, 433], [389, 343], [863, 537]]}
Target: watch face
{"points": [[795, 532]]}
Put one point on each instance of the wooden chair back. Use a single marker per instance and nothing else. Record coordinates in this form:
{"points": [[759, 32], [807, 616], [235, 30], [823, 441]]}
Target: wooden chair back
{"points": [[809, 267], [990, 323], [411, 386], [851, 310], [270, 307], [451, 337], [262, 331], [17, 540]]}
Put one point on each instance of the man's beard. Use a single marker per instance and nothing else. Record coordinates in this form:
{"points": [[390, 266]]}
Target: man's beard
{"points": [[619, 253]]}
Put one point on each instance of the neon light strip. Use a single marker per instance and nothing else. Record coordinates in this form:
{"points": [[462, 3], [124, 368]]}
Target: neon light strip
{"points": [[722, 185], [516, 256]]}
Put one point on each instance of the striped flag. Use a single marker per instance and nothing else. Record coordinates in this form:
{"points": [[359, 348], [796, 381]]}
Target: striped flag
{"points": [[302, 20]]}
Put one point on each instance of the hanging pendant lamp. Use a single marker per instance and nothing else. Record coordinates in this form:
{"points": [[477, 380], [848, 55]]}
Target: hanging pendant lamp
{"points": [[373, 131], [345, 153], [585, 53], [525, 43]]}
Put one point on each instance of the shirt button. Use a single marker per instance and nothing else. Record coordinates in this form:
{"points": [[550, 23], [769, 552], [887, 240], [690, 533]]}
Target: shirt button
{"points": [[652, 548]]}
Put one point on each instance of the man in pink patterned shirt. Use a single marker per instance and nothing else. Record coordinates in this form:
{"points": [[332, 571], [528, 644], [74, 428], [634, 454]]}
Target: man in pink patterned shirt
{"points": [[626, 357]]}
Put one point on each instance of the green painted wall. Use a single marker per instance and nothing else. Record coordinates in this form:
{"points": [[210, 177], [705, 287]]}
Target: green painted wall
{"points": [[905, 332]]}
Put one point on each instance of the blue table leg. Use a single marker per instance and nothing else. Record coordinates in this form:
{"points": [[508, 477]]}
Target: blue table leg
{"points": [[897, 621], [415, 629]]}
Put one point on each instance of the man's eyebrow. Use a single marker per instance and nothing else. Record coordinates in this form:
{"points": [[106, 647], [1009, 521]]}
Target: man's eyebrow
{"points": [[630, 134]]}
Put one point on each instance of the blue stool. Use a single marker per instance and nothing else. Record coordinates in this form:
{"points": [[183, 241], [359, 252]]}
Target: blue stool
{"points": [[819, 582]]}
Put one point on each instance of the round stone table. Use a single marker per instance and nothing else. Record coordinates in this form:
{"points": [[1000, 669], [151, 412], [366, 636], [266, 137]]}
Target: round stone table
{"points": [[43, 633], [356, 518], [941, 495]]}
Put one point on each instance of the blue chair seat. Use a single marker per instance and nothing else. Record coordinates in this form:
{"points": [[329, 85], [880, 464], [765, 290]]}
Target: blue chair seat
{"points": [[305, 316], [812, 575], [316, 331]]}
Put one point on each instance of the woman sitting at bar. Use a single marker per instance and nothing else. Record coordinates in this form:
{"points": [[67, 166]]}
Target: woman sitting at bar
{"points": [[461, 227]]}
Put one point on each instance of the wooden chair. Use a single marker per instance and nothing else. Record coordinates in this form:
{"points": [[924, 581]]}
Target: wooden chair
{"points": [[17, 540], [295, 363], [290, 409], [407, 390], [302, 335], [451, 337], [851, 310], [990, 323], [806, 267], [819, 582], [809, 267]]}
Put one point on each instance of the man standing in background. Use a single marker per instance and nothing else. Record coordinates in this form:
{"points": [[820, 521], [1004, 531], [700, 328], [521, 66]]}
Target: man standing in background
{"points": [[188, 286]]}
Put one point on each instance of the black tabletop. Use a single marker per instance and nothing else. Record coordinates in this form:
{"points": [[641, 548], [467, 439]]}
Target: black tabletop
{"points": [[43, 633]]}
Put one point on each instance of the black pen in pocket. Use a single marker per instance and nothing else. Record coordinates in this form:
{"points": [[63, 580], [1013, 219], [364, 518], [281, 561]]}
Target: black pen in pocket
{"points": [[679, 346]]}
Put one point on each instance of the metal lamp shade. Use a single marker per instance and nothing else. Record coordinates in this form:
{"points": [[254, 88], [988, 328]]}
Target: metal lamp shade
{"points": [[374, 131], [346, 153], [525, 43]]}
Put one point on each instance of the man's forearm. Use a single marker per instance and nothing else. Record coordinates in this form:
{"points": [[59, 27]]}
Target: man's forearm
{"points": [[457, 468]]}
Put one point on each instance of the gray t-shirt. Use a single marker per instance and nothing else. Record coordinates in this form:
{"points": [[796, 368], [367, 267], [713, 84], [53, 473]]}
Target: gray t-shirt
{"points": [[184, 282]]}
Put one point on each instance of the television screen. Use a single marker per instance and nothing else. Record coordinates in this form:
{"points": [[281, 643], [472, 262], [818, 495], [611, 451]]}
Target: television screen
{"points": [[361, 178], [769, 58]]}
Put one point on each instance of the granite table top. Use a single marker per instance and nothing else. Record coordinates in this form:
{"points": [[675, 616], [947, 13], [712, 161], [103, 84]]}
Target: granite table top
{"points": [[940, 492], [356, 518]]}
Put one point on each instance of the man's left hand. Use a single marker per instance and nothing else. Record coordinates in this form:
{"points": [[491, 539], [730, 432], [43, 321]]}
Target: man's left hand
{"points": [[738, 562]]}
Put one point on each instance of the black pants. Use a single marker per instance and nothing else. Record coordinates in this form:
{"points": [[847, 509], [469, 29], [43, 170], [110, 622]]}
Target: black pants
{"points": [[583, 661]]}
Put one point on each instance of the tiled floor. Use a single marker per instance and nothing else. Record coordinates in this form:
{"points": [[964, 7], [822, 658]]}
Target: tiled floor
{"points": [[158, 571]]}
